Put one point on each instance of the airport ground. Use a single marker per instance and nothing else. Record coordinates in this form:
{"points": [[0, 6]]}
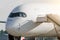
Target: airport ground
{"points": [[4, 36]]}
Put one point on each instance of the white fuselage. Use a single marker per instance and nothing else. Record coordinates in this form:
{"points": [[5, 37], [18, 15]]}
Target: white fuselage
{"points": [[21, 27], [24, 26]]}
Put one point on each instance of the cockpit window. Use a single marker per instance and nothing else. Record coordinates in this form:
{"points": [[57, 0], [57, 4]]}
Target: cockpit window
{"points": [[18, 14]]}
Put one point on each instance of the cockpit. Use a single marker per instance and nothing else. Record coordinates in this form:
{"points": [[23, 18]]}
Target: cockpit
{"points": [[18, 14]]}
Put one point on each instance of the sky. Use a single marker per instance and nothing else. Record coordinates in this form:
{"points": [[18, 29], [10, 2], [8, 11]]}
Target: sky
{"points": [[46, 6]]}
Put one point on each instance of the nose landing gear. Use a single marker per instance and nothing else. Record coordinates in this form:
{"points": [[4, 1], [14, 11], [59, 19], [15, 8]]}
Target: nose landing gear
{"points": [[13, 37]]}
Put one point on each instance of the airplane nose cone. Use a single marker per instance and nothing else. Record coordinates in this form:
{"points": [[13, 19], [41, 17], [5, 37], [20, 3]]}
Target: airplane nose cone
{"points": [[13, 25]]}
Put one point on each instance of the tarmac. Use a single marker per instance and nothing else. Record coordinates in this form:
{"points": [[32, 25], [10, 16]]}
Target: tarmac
{"points": [[5, 37]]}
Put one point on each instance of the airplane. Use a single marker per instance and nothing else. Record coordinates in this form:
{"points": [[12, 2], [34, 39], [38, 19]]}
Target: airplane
{"points": [[20, 23]]}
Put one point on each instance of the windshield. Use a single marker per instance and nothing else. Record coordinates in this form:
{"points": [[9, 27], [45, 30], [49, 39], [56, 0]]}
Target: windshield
{"points": [[18, 14]]}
